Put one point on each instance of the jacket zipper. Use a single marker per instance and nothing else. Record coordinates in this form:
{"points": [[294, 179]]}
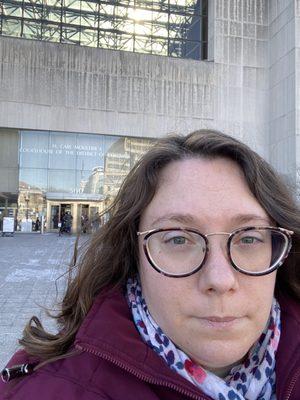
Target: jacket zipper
{"points": [[292, 384], [141, 376]]}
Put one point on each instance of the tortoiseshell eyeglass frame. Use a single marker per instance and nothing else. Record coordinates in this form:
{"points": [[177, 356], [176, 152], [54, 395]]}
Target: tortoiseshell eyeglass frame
{"points": [[287, 234]]}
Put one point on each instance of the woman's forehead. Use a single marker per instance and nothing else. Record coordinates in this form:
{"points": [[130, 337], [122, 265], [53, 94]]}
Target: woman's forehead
{"points": [[202, 191], [212, 174]]}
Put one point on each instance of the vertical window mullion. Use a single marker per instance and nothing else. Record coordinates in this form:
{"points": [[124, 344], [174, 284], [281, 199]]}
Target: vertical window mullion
{"points": [[61, 20], [22, 19], [168, 38], [204, 30], [98, 24], [1, 16]]}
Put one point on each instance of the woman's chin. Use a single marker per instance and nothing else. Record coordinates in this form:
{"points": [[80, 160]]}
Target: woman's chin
{"points": [[221, 369], [219, 359]]}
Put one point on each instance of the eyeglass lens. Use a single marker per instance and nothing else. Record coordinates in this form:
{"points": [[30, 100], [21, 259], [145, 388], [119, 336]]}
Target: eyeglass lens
{"points": [[181, 251]]}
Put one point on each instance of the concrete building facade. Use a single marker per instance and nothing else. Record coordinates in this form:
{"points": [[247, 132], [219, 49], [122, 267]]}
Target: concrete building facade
{"points": [[248, 86]]}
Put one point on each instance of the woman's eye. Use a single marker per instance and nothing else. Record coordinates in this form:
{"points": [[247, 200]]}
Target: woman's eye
{"points": [[249, 240], [175, 240], [179, 240]]}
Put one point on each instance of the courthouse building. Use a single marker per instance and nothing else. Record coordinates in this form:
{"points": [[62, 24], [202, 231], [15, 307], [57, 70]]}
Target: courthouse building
{"points": [[86, 86]]}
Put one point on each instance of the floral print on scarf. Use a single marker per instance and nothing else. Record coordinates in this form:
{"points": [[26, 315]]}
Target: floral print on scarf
{"points": [[252, 380]]}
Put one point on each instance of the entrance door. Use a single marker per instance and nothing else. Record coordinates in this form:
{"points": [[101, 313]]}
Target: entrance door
{"points": [[54, 217], [57, 212], [83, 218], [57, 208], [64, 209]]}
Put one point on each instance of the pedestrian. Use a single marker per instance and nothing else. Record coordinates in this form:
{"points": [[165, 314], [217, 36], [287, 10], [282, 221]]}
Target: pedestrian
{"points": [[56, 221], [67, 222], [189, 291], [61, 225], [96, 222], [1, 221], [84, 223], [37, 225]]}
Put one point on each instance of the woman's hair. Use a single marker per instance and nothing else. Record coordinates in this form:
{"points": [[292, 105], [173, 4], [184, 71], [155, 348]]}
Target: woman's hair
{"points": [[112, 254]]}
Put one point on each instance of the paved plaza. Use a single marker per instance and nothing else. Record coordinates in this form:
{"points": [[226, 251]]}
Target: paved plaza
{"points": [[30, 265]]}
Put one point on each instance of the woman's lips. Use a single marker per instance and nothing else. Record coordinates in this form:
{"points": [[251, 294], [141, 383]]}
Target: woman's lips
{"points": [[220, 319], [221, 322]]}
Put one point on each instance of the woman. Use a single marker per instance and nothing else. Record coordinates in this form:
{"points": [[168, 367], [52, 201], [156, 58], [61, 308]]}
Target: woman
{"points": [[189, 291]]}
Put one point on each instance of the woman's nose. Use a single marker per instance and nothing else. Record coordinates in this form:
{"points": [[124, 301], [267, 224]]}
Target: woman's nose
{"points": [[217, 275]]}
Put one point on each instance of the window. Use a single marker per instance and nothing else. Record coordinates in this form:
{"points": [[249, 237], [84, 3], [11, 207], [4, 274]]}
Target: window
{"points": [[176, 28]]}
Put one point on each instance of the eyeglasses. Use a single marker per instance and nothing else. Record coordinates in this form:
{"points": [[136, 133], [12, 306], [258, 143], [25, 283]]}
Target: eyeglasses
{"points": [[181, 252]]}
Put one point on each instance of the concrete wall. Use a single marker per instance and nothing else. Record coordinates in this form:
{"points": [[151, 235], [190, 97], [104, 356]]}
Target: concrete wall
{"points": [[9, 177], [79, 89], [282, 94], [241, 61]]}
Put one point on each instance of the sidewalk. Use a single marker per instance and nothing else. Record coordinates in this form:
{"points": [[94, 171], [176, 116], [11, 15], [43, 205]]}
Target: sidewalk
{"points": [[29, 267]]}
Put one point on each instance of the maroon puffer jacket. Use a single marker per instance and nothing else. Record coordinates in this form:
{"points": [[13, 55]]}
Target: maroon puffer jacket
{"points": [[114, 364]]}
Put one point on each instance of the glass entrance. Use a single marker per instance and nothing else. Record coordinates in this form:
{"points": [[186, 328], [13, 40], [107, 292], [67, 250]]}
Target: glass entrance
{"points": [[54, 217], [57, 213], [83, 218], [85, 215]]}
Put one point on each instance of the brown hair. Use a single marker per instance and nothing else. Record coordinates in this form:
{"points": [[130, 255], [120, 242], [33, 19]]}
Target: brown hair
{"points": [[111, 257]]}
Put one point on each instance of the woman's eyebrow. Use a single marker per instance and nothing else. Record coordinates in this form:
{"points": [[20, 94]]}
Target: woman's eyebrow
{"points": [[180, 218], [245, 218], [189, 219]]}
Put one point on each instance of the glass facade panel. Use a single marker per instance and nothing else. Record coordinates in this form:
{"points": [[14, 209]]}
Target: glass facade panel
{"points": [[89, 20], [131, 25], [33, 12], [89, 6], [125, 42], [12, 8], [32, 30], [72, 4], [70, 35], [34, 178], [90, 182], [89, 38], [61, 148], [53, 3], [9, 173], [53, 15], [60, 169], [51, 32], [11, 27], [89, 152], [62, 181], [34, 150]]}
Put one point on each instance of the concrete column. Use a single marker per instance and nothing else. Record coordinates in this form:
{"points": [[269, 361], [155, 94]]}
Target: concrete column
{"points": [[75, 218]]}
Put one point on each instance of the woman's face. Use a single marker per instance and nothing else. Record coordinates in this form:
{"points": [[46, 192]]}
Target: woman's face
{"points": [[216, 314]]}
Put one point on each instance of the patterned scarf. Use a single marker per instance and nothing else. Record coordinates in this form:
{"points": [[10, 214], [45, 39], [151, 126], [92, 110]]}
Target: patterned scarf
{"points": [[252, 380]]}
